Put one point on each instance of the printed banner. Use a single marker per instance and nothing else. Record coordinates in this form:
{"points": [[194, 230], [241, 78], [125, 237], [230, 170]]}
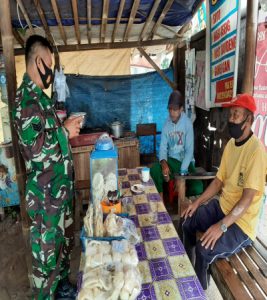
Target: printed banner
{"points": [[260, 80], [200, 80], [9, 194], [222, 55]]}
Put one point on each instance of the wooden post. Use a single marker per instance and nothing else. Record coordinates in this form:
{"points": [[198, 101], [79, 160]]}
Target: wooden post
{"points": [[57, 60], [175, 64], [155, 66], [180, 187], [9, 59], [250, 47]]}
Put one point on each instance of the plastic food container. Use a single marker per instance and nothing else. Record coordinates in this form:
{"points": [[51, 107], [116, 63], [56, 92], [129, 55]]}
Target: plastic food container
{"points": [[116, 208]]}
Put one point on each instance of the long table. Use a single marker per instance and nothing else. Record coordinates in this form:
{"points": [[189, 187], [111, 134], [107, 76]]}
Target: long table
{"points": [[165, 267], [167, 273]]}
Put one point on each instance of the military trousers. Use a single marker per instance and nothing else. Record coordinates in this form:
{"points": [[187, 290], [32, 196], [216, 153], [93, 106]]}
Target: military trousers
{"points": [[51, 236]]}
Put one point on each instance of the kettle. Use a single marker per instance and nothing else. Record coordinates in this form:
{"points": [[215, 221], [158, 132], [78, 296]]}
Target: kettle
{"points": [[116, 128]]}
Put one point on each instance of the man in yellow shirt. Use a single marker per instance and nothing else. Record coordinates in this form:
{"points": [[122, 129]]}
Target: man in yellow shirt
{"points": [[230, 223]]}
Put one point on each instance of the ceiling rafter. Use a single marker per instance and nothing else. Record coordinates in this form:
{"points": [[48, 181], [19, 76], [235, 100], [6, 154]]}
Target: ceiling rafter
{"points": [[131, 19], [104, 20], [89, 20], [57, 15], [76, 20], [118, 20], [41, 14], [18, 37], [25, 15], [149, 19], [161, 18]]}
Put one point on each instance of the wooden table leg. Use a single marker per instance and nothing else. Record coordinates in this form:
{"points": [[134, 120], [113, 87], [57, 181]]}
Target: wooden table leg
{"points": [[77, 212], [180, 187]]}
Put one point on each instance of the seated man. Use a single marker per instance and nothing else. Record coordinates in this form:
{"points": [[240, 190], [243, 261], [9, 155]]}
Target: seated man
{"points": [[230, 223], [176, 148]]}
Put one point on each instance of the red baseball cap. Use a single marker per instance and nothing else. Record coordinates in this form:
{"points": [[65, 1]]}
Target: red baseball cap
{"points": [[242, 100]]}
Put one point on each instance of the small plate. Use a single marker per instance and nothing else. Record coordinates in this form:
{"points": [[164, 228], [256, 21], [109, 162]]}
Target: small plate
{"points": [[137, 188]]}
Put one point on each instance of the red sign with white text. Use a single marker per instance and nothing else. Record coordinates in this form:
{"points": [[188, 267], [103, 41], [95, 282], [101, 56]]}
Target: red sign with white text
{"points": [[224, 90]]}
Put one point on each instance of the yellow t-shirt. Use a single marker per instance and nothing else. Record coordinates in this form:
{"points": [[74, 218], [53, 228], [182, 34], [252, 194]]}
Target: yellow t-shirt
{"points": [[243, 167]]}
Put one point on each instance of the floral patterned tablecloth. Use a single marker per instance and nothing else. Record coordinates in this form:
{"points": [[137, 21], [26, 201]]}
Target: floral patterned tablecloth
{"points": [[166, 270]]}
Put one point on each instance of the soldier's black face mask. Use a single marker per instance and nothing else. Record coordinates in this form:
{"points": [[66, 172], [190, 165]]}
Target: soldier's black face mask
{"points": [[45, 76], [235, 130]]}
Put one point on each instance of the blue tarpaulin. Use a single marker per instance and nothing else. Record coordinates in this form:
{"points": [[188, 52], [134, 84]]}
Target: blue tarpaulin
{"points": [[178, 14], [131, 99]]}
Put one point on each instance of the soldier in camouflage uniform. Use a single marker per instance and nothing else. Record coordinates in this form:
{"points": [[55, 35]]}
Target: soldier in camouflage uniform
{"points": [[49, 188]]}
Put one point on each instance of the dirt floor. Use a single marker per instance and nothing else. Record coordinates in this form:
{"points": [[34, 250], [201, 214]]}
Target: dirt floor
{"points": [[14, 282]]}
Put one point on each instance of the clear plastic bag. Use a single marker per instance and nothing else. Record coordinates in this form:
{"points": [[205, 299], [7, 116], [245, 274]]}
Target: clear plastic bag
{"points": [[117, 226], [60, 85], [130, 232]]}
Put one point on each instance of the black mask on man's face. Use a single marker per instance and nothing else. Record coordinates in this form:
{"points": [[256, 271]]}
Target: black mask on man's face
{"points": [[235, 130], [45, 76]]}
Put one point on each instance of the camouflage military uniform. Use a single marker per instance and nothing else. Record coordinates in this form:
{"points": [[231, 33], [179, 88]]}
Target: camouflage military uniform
{"points": [[49, 188]]}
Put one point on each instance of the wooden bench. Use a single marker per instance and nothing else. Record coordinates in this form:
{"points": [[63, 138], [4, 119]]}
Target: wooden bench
{"points": [[180, 183], [243, 275]]}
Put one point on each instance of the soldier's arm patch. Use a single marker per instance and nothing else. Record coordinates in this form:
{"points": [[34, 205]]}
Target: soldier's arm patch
{"points": [[37, 127]]}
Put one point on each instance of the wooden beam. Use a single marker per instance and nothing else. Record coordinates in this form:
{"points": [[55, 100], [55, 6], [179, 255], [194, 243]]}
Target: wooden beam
{"points": [[172, 84], [118, 20], [76, 20], [118, 45], [109, 19], [131, 19], [161, 18], [25, 15], [57, 15], [89, 21], [104, 21], [149, 19], [175, 65], [43, 20], [250, 46], [171, 30], [18, 37]]}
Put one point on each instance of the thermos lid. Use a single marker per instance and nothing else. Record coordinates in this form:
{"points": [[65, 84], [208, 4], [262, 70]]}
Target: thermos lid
{"points": [[104, 142]]}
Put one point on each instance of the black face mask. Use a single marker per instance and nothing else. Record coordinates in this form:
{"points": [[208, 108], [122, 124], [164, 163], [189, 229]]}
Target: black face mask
{"points": [[235, 130], [45, 76]]}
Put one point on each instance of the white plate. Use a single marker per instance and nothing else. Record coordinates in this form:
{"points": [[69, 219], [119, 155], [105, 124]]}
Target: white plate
{"points": [[137, 188]]}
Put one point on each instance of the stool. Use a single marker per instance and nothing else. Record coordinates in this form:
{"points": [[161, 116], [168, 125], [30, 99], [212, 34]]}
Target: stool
{"points": [[79, 186], [180, 182]]}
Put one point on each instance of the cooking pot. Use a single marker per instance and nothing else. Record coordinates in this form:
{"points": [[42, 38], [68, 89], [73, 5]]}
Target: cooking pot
{"points": [[116, 128]]}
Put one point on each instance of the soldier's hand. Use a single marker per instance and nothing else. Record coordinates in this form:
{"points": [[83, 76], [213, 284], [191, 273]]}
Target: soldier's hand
{"points": [[73, 125]]}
